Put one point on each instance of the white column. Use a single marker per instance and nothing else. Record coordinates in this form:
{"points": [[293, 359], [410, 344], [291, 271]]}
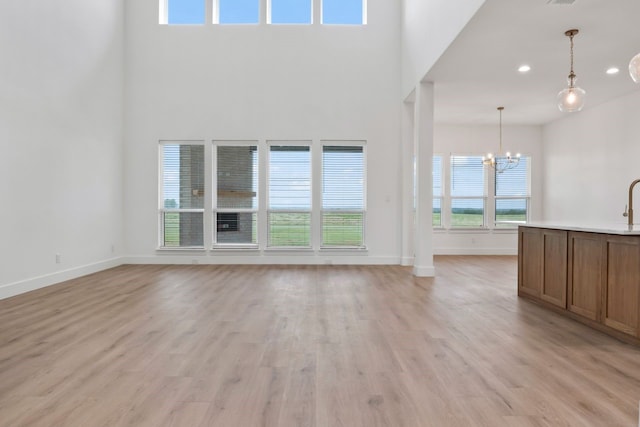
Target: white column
{"points": [[406, 179], [423, 237]]}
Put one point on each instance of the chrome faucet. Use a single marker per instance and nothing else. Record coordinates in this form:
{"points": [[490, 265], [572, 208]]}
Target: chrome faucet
{"points": [[629, 212]]}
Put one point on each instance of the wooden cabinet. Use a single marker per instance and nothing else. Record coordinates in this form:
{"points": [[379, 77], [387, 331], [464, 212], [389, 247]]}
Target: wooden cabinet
{"points": [[591, 277], [530, 242], [621, 293], [586, 262], [543, 264]]}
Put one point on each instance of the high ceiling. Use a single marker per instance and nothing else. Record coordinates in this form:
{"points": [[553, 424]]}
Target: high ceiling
{"points": [[479, 71]]}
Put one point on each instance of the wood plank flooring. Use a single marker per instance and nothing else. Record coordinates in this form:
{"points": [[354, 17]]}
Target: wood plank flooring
{"points": [[321, 346]]}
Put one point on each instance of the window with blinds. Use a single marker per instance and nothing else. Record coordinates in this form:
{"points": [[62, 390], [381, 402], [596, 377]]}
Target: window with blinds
{"points": [[343, 196], [512, 194], [289, 191], [437, 192], [182, 195], [468, 191], [236, 198]]}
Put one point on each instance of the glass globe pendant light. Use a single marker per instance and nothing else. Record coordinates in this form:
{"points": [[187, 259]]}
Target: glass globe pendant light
{"points": [[634, 68], [571, 98]]}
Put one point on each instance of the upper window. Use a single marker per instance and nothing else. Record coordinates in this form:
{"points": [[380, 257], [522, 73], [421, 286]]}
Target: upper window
{"points": [[512, 194], [289, 12], [467, 191], [238, 12], [182, 11], [182, 195], [346, 12], [343, 205]]}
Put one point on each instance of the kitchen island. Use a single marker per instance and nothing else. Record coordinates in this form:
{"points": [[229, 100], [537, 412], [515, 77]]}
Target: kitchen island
{"points": [[589, 272]]}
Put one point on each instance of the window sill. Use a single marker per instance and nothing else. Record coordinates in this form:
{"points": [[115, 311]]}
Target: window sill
{"points": [[181, 249], [234, 248], [289, 249]]}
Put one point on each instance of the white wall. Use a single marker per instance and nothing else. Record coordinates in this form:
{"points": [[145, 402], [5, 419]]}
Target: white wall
{"points": [[262, 82], [590, 158], [61, 139], [428, 28], [478, 140]]}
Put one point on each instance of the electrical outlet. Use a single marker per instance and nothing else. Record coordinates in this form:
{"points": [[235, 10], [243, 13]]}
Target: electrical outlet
{"points": [[58, 258]]}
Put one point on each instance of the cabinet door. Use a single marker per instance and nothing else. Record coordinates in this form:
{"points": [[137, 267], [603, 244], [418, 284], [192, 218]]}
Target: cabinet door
{"points": [[554, 280], [530, 257], [585, 273], [621, 287]]}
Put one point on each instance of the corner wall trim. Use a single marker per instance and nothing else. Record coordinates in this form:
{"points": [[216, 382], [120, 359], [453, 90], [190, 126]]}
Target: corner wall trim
{"points": [[27, 285]]}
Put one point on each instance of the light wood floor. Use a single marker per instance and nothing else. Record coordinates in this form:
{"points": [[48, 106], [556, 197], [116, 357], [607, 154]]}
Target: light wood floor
{"points": [[326, 346]]}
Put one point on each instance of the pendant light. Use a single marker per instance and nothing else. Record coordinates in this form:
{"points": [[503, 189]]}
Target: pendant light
{"points": [[572, 98], [501, 162], [634, 68]]}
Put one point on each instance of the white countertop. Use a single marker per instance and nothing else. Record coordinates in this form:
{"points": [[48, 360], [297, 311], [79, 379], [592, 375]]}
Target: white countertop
{"points": [[592, 227]]}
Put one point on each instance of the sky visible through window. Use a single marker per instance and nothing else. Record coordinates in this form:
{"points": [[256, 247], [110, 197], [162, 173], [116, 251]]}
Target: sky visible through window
{"points": [[239, 11], [342, 12], [290, 11], [346, 12], [185, 12]]}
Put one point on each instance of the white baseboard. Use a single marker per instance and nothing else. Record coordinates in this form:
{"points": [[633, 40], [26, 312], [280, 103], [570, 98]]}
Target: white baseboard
{"points": [[475, 251], [424, 271], [278, 259], [34, 283], [406, 261]]}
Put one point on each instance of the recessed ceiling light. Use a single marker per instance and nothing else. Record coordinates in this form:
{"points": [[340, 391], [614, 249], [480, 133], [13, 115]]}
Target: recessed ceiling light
{"points": [[613, 70], [524, 68]]}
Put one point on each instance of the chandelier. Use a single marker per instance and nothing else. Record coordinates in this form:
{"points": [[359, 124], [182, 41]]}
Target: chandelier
{"points": [[501, 162]]}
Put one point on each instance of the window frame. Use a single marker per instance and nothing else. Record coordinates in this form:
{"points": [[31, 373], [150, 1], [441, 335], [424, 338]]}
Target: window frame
{"points": [[363, 17], [269, 6], [215, 209], [344, 143], [269, 211], [162, 210], [451, 198], [505, 225], [490, 199], [163, 14], [442, 191], [216, 14]]}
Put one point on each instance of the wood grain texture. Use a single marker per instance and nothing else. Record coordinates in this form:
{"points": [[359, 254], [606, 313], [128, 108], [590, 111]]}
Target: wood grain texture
{"points": [[531, 248], [622, 285], [587, 261], [320, 346], [554, 282]]}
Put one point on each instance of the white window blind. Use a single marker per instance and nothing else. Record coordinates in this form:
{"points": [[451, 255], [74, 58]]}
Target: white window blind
{"points": [[512, 193], [236, 210], [467, 191], [437, 191], [289, 214], [343, 201], [182, 195]]}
